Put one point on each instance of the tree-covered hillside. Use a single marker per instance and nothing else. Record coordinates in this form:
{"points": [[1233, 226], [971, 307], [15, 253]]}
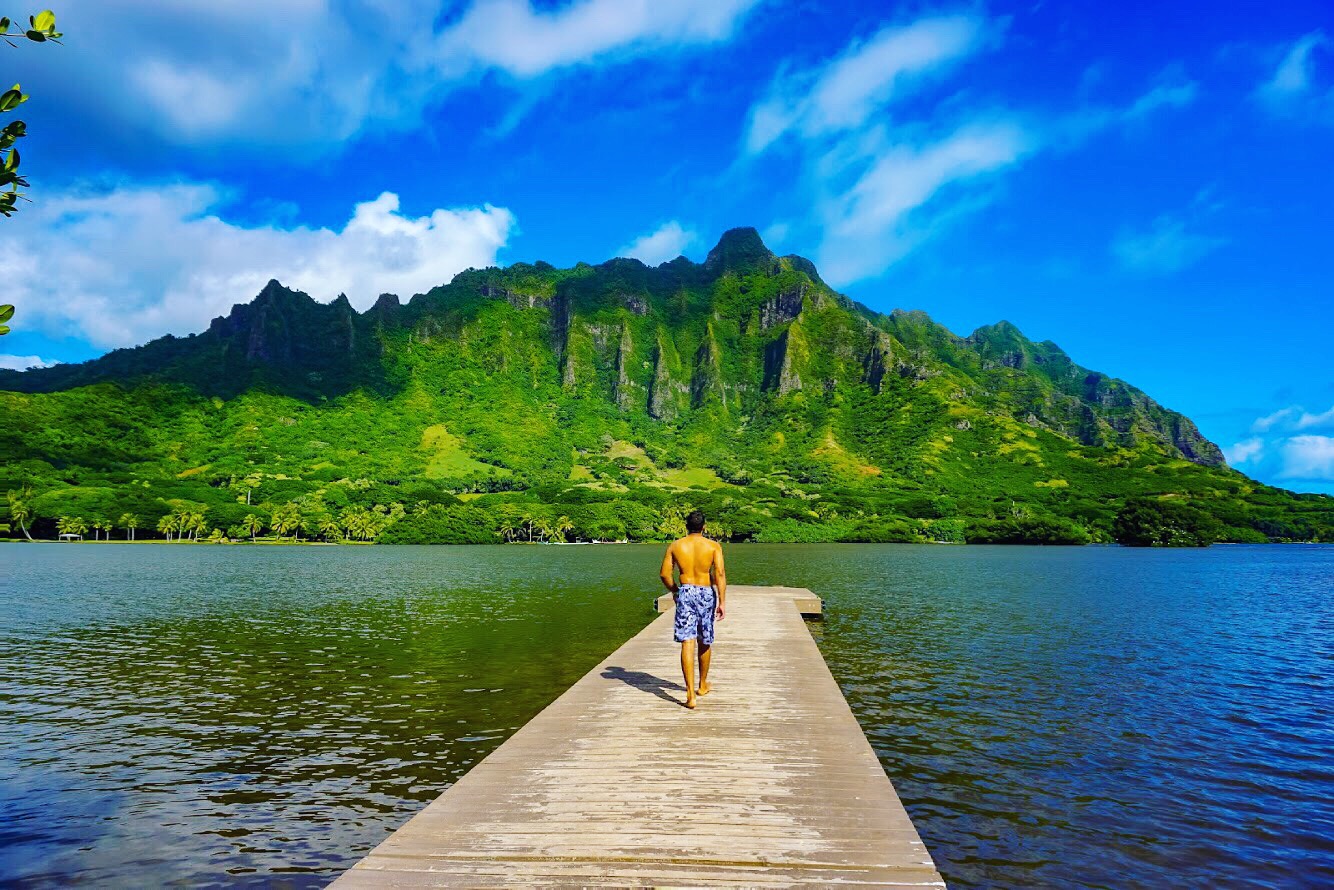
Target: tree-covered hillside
{"points": [[595, 403]]}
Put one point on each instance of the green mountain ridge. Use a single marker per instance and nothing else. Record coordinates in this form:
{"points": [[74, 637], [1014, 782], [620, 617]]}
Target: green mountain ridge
{"points": [[743, 385]]}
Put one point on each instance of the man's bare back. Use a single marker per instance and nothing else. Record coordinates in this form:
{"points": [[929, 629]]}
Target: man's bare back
{"points": [[695, 557], [700, 597]]}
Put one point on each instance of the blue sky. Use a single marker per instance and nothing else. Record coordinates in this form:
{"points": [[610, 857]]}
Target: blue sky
{"points": [[1147, 185]]}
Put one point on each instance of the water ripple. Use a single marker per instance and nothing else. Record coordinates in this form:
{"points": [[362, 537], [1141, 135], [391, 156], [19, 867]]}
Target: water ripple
{"points": [[1091, 717]]}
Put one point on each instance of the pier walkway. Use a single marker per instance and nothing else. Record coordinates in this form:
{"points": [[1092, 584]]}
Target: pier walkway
{"points": [[770, 782]]}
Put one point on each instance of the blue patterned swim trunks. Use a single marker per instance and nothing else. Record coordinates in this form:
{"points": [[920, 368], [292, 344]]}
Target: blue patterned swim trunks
{"points": [[694, 613]]}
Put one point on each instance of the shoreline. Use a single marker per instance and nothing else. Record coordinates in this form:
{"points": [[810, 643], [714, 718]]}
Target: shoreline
{"points": [[275, 543]]}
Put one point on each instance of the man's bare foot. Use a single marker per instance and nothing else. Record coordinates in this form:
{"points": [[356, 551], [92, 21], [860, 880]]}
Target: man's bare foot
{"points": [[704, 688], [690, 703]]}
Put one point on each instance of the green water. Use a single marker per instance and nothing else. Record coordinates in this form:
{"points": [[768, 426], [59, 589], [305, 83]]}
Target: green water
{"points": [[1052, 717]]}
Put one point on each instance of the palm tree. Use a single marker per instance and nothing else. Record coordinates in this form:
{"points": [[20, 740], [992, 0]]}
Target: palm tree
{"points": [[329, 528], [562, 526], [20, 507], [529, 522], [72, 525], [352, 521], [286, 518], [101, 525], [129, 522], [543, 529], [166, 525], [252, 524], [194, 523], [507, 530]]}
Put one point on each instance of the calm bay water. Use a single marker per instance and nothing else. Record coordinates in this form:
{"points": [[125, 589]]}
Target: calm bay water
{"points": [[1081, 717]]}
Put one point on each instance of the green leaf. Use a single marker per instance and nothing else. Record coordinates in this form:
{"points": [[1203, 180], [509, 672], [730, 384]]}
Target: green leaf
{"points": [[4, 25], [4, 328], [12, 162], [10, 99], [6, 312], [36, 36], [44, 20]]}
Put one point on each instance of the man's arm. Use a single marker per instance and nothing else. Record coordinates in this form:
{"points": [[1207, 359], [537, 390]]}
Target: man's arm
{"points": [[720, 581], [665, 573]]}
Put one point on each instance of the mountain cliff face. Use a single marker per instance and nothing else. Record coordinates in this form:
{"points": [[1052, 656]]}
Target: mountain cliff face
{"points": [[605, 379], [729, 334]]}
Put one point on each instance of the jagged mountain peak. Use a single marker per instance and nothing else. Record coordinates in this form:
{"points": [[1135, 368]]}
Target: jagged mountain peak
{"points": [[276, 291], [739, 250]]}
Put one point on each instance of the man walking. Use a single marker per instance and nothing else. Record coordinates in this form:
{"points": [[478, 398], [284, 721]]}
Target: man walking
{"points": [[699, 596]]}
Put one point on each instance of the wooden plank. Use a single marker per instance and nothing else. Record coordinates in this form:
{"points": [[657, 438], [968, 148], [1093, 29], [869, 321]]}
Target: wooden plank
{"points": [[769, 782]]}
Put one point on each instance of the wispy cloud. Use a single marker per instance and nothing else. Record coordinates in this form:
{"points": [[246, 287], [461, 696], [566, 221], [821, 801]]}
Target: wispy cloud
{"points": [[23, 362], [140, 261], [1293, 75], [1307, 420], [844, 92], [905, 192], [1308, 457], [1166, 246], [1269, 421], [665, 243], [1291, 444], [1173, 95], [1244, 451], [313, 74], [885, 175], [1292, 90], [514, 37]]}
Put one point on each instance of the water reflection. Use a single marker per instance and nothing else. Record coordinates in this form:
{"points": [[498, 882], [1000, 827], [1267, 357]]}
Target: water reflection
{"points": [[1090, 717], [282, 719]]}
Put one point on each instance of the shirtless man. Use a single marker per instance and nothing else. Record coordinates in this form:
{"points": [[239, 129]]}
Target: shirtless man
{"points": [[699, 598]]}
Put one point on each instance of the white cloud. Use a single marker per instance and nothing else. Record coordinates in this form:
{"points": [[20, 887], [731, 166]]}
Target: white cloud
{"points": [[843, 93], [1294, 418], [23, 362], [1293, 90], [1269, 421], [902, 196], [1309, 420], [884, 176], [311, 73], [136, 262], [1285, 450], [1244, 451], [1294, 73], [1176, 95], [1166, 246], [667, 242], [1308, 457], [512, 36]]}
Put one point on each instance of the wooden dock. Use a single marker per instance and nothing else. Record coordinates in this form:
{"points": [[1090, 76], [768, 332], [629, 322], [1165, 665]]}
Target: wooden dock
{"points": [[770, 782]]}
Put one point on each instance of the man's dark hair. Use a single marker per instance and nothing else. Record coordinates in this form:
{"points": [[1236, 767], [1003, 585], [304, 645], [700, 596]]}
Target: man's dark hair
{"points": [[695, 522]]}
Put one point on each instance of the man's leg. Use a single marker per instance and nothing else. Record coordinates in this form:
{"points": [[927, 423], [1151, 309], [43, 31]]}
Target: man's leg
{"points": [[688, 668], [705, 653]]}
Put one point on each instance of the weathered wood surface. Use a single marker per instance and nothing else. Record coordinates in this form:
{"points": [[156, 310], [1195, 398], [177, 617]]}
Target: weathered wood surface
{"points": [[770, 782]]}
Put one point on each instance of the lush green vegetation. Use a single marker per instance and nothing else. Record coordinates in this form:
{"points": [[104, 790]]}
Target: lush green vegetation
{"points": [[598, 403], [1145, 522]]}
